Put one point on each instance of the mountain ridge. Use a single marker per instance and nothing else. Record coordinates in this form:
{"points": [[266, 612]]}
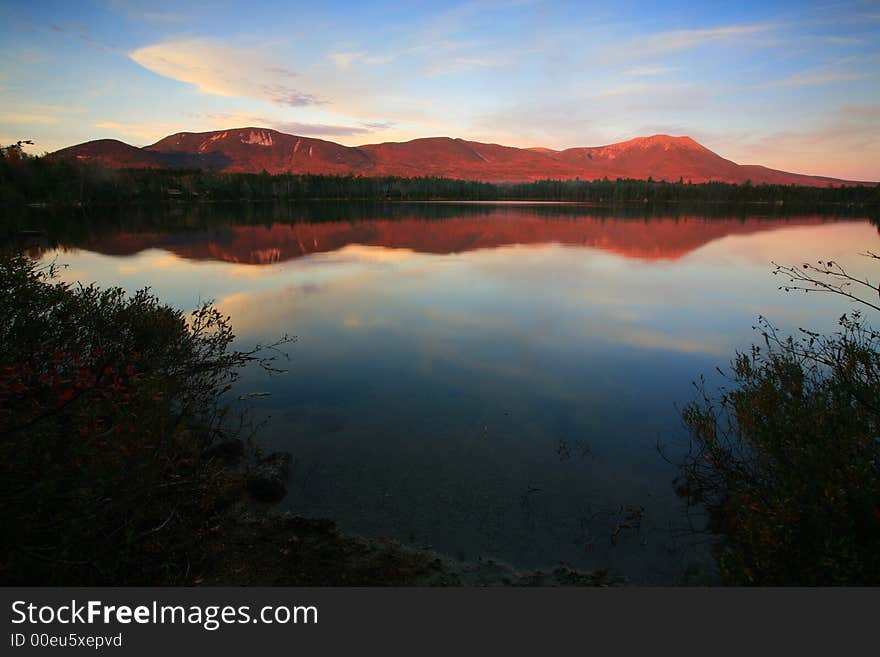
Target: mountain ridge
{"points": [[254, 149]]}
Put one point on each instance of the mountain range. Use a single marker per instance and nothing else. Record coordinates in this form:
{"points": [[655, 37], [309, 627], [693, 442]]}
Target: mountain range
{"points": [[253, 150]]}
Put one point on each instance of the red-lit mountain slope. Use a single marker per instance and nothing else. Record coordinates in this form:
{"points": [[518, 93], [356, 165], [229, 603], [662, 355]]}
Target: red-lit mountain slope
{"points": [[253, 150]]}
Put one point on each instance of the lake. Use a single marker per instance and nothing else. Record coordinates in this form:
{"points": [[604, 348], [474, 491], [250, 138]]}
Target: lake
{"points": [[490, 380]]}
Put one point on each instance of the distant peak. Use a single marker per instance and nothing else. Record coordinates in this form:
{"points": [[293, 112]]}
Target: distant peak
{"points": [[249, 129], [664, 142], [666, 139], [226, 131], [108, 141], [233, 131]]}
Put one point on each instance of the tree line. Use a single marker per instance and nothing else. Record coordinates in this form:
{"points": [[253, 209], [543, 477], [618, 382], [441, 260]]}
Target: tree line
{"points": [[46, 180]]}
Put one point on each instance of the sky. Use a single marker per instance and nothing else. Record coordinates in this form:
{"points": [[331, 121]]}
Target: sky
{"points": [[790, 85]]}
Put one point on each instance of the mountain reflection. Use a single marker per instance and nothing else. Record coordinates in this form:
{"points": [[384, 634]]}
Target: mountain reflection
{"points": [[277, 239]]}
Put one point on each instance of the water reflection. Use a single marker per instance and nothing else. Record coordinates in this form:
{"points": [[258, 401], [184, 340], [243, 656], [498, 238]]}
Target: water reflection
{"points": [[470, 228], [491, 381]]}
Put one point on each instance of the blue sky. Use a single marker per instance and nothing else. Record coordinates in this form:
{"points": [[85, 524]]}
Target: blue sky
{"points": [[792, 85]]}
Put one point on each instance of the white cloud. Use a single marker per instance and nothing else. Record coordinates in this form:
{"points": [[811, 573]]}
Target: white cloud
{"points": [[224, 70]]}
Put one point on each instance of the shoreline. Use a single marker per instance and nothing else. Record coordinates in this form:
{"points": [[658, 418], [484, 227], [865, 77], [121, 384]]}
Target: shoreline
{"points": [[171, 201], [256, 544], [266, 547]]}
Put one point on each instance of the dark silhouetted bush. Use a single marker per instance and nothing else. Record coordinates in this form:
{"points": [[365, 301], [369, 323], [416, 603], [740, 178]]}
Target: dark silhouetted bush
{"points": [[786, 460]]}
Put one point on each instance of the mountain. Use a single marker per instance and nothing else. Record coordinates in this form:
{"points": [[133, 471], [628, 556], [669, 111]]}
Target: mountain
{"points": [[468, 160], [111, 152], [252, 150]]}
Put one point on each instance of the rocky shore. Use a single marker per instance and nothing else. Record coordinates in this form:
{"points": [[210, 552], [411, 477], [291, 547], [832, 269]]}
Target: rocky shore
{"points": [[258, 545]]}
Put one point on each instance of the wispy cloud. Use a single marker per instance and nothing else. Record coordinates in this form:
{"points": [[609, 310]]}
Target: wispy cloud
{"points": [[282, 70], [851, 68], [66, 29], [224, 70], [840, 40], [644, 71], [322, 129], [643, 90], [148, 10], [285, 96], [345, 59], [833, 146], [818, 78], [162, 17], [28, 118], [379, 125], [440, 50], [679, 40], [36, 114], [865, 112], [460, 65]]}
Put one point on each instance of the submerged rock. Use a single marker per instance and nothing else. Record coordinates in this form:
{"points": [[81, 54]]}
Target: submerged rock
{"points": [[267, 479]]}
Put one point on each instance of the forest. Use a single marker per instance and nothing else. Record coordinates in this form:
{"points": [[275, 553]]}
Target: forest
{"points": [[44, 180]]}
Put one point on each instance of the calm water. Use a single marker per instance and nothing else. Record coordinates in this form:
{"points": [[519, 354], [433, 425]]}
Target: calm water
{"points": [[491, 381]]}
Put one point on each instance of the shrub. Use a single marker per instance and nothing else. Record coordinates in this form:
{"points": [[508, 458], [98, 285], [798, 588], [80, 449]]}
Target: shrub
{"points": [[786, 460], [107, 403]]}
